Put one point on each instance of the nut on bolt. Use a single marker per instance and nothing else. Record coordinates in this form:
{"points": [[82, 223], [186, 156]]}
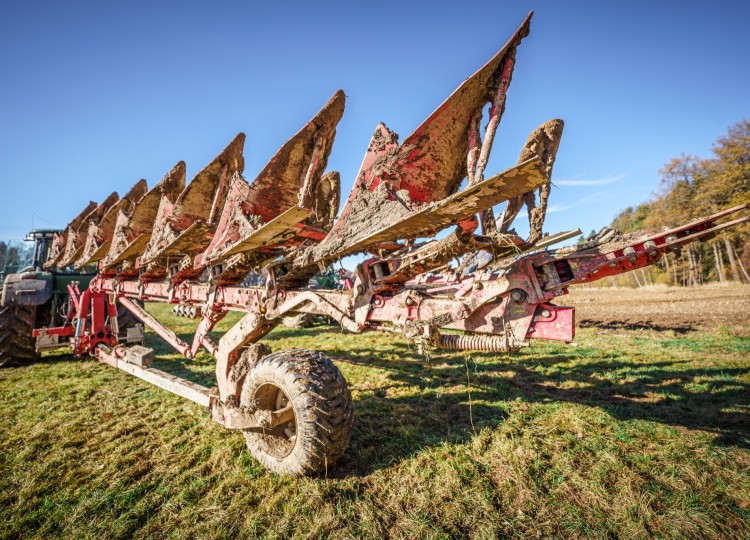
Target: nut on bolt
{"points": [[518, 295]]}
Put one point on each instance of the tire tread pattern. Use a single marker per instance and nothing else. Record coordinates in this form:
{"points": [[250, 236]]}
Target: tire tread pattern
{"points": [[17, 344], [323, 408]]}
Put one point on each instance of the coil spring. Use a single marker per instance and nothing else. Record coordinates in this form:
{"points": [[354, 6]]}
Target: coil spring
{"points": [[474, 342]]}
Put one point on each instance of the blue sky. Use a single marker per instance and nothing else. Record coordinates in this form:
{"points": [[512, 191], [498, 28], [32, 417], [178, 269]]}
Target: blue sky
{"points": [[97, 95]]}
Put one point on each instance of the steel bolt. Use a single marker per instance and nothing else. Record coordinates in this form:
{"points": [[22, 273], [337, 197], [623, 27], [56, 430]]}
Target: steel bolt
{"points": [[518, 295]]}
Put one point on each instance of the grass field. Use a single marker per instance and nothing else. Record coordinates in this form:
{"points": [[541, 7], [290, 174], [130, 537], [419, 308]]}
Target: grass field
{"points": [[631, 433]]}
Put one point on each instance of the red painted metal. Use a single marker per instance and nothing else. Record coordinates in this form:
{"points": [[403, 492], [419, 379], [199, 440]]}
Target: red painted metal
{"points": [[165, 333], [62, 331], [553, 322], [208, 321]]}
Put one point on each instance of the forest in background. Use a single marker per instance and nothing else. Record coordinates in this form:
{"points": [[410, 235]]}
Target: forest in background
{"points": [[692, 187]]}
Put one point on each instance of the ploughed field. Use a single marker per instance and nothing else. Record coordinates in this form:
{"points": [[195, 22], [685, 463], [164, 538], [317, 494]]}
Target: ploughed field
{"points": [[680, 309], [640, 429]]}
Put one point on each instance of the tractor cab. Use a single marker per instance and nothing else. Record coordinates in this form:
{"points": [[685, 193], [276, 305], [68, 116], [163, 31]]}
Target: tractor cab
{"points": [[24, 282], [42, 241]]}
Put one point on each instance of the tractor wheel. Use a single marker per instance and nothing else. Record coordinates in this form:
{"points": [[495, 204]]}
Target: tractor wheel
{"points": [[320, 431], [302, 320], [17, 343]]}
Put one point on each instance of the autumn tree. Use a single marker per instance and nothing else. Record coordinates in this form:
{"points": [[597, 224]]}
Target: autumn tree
{"points": [[692, 187]]}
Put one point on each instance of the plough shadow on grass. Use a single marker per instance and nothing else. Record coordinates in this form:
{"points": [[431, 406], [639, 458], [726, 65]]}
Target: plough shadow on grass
{"points": [[423, 404], [656, 392], [416, 404]]}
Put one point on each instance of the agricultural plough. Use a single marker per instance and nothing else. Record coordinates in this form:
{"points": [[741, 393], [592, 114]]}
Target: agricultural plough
{"points": [[480, 287]]}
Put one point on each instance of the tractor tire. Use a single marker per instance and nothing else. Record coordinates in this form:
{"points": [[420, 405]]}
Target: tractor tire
{"points": [[302, 320], [17, 343], [321, 429]]}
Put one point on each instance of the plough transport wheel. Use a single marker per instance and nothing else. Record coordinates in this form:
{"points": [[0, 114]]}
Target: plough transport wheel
{"points": [[318, 432]]}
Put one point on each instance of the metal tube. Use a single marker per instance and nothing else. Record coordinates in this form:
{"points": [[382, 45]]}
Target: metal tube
{"points": [[182, 387], [165, 333], [77, 335]]}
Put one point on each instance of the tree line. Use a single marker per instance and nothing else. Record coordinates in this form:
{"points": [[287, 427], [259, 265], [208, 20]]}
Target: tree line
{"points": [[692, 187]]}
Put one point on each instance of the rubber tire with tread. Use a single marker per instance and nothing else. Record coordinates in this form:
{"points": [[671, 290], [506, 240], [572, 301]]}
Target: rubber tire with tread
{"points": [[302, 320], [323, 409], [17, 343]]}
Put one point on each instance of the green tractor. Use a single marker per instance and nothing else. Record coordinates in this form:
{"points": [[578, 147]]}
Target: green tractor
{"points": [[32, 297]]}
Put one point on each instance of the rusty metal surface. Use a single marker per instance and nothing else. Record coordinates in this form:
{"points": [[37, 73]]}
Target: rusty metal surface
{"points": [[275, 232], [542, 143], [60, 241], [291, 197], [133, 230], [199, 203], [395, 180], [377, 216], [77, 239], [431, 162], [207, 190], [99, 235], [277, 187]]}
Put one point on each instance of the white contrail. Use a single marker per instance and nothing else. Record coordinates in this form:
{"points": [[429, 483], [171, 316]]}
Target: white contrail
{"points": [[590, 182]]}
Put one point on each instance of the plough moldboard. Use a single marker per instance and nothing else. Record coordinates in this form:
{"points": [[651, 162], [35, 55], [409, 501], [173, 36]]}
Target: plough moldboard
{"points": [[192, 245]]}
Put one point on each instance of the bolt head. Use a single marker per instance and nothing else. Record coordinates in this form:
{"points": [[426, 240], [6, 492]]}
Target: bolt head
{"points": [[518, 295]]}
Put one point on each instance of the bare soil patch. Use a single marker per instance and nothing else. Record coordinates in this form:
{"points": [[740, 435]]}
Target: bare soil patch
{"points": [[679, 309]]}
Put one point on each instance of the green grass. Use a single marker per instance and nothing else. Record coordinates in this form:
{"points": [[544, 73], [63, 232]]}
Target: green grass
{"points": [[629, 434]]}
